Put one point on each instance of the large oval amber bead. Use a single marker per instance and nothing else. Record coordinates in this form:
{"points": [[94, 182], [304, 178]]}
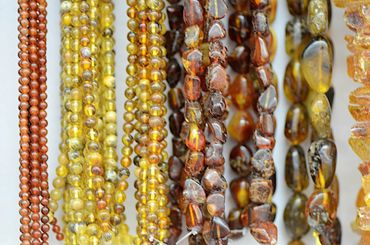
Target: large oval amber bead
{"points": [[319, 111], [295, 86], [318, 16], [241, 126], [296, 176], [317, 64], [294, 216], [296, 34], [296, 124]]}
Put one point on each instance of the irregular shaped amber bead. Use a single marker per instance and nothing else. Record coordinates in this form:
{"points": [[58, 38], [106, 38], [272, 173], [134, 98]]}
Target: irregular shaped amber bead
{"points": [[297, 7], [317, 64], [296, 175], [295, 86], [193, 192], [320, 115], [318, 16], [193, 62], [217, 78], [240, 158], [240, 191], [260, 54], [217, 9], [363, 218], [360, 140], [322, 160], [296, 124], [174, 72], [194, 217], [296, 35], [192, 87], [358, 66], [242, 92], [360, 104], [215, 204], [241, 126], [195, 140], [265, 232], [216, 31], [267, 101], [332, 235], [193, 13], [176, 99], [260, 190], [239, 27], [239, 59], [263, 163], [193, 36], [294, 216]]}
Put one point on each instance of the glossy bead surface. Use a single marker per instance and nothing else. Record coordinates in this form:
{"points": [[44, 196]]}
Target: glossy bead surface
{"points": [[239, 59], [318, 16], [239, 27], [296, 35], [296, 176], [360, 140], [297, 7], [193, 13], [174, 71], [296, 124], [242, 92], [265, 232], [294, 216], [240, 158], [240, 191], [320, 114], [359, 100], [267, 102], [241, 126], [295, 86]]}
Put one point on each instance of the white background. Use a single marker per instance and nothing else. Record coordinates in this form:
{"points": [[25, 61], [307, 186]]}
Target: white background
{"points": [[341, 120]]}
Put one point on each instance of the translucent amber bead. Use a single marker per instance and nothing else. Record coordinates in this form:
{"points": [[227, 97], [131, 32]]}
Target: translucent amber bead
{"points": [[241, 126], [239, 27], [239, 59], [294, 216], [317, 64], [295, 86], [296, 124], [296, 35], [359, 103], [320, 115], [240, 191], [296, 176], [318, 16], [242, 92]]}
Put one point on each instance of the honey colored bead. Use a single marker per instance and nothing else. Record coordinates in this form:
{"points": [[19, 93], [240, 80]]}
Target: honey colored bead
{"points": [[296, 35], [265, 232], [239, 27], [297, 7], [194, 217], [317, 64], [193, 61], [193, 36], [240, 159], [241, 126], [259, 51], [318, 17], [295, 86], [193, 112], [360, 140], [322, 160], [294, 216], [240, 191], [192, 87], [320, 114], [359, 101], [242, 92], [239, 59], [195, 140], [296, 176], [296, 124]]}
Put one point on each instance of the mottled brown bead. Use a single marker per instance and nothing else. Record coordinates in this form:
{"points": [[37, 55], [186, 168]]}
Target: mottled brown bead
{"points": [[194, 217], [296, 124], [295, 86], [296, 36], [193, 62], [193, 112], [194, 164], [265, 232], [263, 163], [333, 234], [262, 141], [174, 41], [215, 204], [239, 59], [266, 124], [234, 222], [260, 23], [259, 213], [175, 122], [213, 155], [260, 190], [294, 216], [197, 240], [239, 27], [239, 5], [216, 131], [240, 191], [216, 31], [175, 193], [242, 92], [241, 126], [259, 51], [213, 181], [218, 53], [178, 147], [265, 75], [267, 101], [217, 78], [176, 99], [296, 176], [215, 105], [175, 167], [175, 217], [219, 228], [240, 158], [193, 13], [174, 72], [195, 139], [175, 16], [192, 87], [193, 36], [193, 192]]}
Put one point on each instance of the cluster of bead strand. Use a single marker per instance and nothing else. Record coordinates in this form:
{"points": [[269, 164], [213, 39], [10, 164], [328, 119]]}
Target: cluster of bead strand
{"points": [[148, 68], [296, 123], [358, 20], [174, 42], [316, 62], [34, 194], [263, 168]]}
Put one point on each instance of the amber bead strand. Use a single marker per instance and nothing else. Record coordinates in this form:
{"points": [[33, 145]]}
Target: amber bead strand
{"points": [[296, 124], [261, 179], [359, 46], [316, 62], [174, 41]]}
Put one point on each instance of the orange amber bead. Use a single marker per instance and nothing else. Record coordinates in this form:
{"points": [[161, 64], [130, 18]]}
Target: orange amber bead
{"points": [[241, 126]]}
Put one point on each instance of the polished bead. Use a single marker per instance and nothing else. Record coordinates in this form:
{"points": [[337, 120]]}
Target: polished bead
{"points": [[242, 92], [239, 28], [262, 141], [320, 114], [178, 147], [260, 212], [322, 160], [317, 17], [217, 78], [296, 35], [317, 64], [267, 101], [296, 176], [265, 76], [297, 7], [359, 101], [260, 190], [265, 232], [194, 217], [240, 159], [175, 167], [216, 131], [193, 192], [214, 156], [294, 216], [234, 222], [193, 36], [320, 210], [175, 121], [175, 14], [260, 23], [194, 163], [240, 191], [295, 86], [174, 72], [263, 163], [215, 105], [193, 112], [332, 235], [216, 31], [213, 182], [193, 13], [360, 140], [266, 124], [215, 204], [241, 126], [296, 124], [195, 140], [176, 99], [192, 87], [193, 61], [259, 51], [239, 59], [363, 218], [174, 41], [219, 228], [216, 9]]}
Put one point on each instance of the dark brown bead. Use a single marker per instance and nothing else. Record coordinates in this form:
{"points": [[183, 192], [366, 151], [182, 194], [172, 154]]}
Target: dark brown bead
{"points": [[193, 62], [239, 27], [265, 232], [297, 7], [175, 167], [242, 92], [175, 217], [213, 181], [215, 105], [194, 164], [296, 176], [332, 235], [259, 51], [174, 41], [240, 191], [294, 216], [174, 72], [175, 16], [175, 193], [239, 59], [193, 192], [239, 5], [235, 224], [178, 147], [192, 87], [240, 159], [214, 156], [176, 120], [176, 99]]}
